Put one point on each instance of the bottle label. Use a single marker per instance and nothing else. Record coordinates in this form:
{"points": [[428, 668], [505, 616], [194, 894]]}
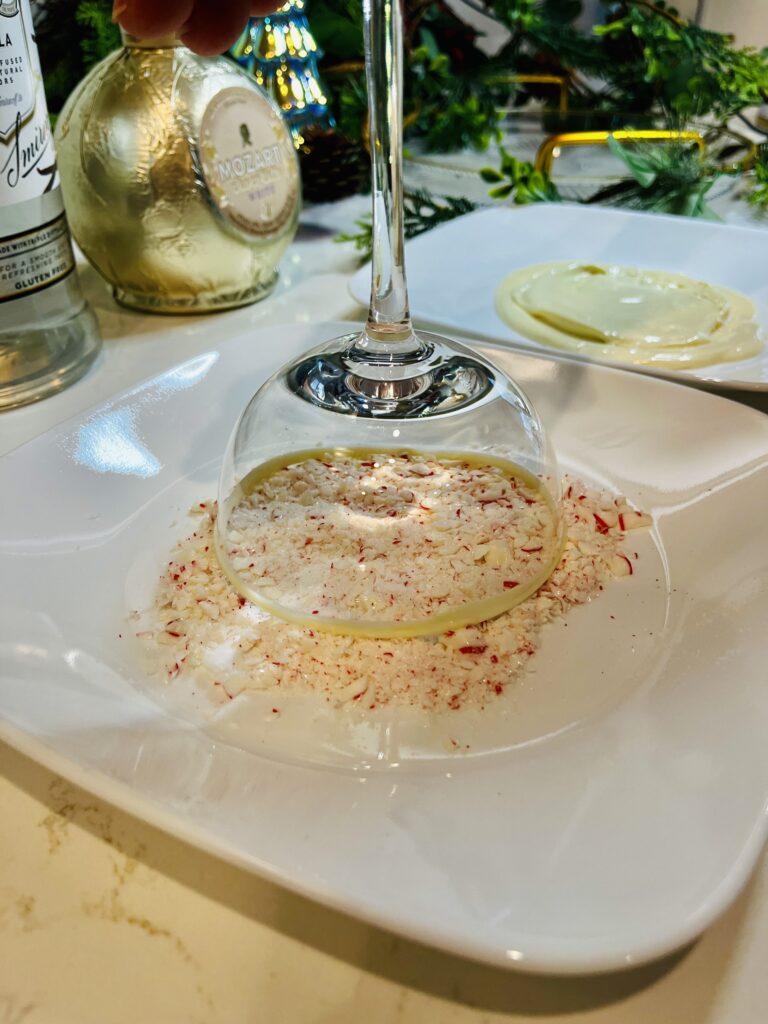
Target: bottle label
{"points": [[35, 259], [249, 162], [27, 158]]}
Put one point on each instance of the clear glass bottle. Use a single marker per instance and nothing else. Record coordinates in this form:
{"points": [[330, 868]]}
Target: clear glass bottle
{"points": [[180, 177], [49, 336]]}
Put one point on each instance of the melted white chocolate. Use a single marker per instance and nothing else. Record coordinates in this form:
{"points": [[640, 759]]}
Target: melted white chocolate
{"points": [[629, 315]]}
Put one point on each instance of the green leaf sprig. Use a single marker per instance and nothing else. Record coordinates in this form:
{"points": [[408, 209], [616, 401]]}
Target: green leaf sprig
{"points": [[519, 181]]}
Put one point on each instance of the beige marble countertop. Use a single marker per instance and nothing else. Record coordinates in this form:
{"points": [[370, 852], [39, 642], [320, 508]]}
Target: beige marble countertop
{"points": [[106, 920]]}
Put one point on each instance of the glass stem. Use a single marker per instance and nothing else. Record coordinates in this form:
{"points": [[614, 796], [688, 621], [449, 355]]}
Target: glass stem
{"points": [[389, 321]]}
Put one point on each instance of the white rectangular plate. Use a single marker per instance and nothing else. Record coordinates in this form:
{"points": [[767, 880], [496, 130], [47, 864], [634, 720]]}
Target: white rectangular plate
{"points": [[609, 807], [454, 270]]}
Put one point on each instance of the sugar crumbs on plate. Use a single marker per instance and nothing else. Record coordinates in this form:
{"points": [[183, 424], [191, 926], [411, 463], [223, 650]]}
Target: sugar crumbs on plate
{"points": [[199, 629]]}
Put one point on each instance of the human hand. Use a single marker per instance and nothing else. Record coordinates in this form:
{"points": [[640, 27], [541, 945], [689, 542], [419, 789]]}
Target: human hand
{"points": [[205, 26]]}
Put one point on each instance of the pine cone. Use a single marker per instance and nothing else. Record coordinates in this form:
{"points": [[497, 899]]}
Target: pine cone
{"points": [[332, 166]]}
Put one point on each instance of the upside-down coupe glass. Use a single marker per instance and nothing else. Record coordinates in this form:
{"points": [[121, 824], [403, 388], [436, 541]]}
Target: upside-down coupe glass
{"points": [[383, 391]]}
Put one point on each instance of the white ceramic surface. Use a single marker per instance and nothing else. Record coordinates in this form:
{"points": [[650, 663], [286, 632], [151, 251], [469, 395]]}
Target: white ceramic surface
{"points": [[613, 807], [454, 270]]}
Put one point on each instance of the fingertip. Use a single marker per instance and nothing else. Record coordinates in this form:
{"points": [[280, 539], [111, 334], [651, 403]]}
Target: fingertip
{"points": [[202, 44], [210, 31], [259, 8], [148, 19]]}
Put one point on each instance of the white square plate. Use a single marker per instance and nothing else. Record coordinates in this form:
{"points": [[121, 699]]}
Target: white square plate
{"points": [[607, 810], [454, 270]]}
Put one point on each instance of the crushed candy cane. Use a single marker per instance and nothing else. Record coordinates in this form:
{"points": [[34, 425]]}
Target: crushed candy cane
{"points": [[201, 631], [391, 537]]}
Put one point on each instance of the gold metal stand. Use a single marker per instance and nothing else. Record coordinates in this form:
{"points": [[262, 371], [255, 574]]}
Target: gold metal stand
{"points": [[549, 149]]}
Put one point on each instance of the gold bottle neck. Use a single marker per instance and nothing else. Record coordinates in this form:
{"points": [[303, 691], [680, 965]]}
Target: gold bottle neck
{"points": [[159, 43]]}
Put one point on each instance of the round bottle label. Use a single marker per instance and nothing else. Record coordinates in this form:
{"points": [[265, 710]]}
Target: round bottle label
{"points": [[249, 162]]}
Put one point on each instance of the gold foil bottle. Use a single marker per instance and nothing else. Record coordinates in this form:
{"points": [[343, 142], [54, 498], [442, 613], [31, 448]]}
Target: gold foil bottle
{"points": [[180, 178]]}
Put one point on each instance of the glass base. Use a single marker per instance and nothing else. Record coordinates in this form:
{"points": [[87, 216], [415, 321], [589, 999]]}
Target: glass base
{"points": [[36, 362], [432, 379], [188, 305]]}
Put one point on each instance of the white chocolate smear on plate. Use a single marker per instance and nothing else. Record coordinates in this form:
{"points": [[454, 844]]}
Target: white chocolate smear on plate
{"points": [[629, 315]]}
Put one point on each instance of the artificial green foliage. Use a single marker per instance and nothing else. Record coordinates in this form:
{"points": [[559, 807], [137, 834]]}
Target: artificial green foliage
{"points": [[544, 37], [72, 36], [758, 194], [338, 28], [519, 181], [672, 178], [689, 71], [421, 212], [362, 239], [100, 34], [58, 41], [453, 93], [668, 178], [643, 65], [451, 111], [644, 61], [351, 106]]}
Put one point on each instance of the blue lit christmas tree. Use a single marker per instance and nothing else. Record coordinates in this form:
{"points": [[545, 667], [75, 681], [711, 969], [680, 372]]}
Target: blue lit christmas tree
{"points": [[281, 54]]}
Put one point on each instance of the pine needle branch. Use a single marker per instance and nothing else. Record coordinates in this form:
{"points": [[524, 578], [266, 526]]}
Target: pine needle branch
{"points": [[422, 212]]}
